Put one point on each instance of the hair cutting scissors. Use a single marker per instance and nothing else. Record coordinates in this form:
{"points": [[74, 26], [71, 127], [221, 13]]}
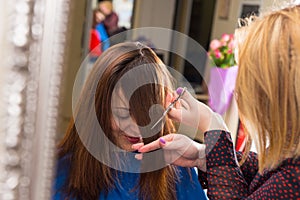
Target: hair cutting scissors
{"points": [[169, 108]]}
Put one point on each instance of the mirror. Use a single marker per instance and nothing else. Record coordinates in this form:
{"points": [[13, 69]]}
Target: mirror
{"points": [[34, 45], [43, 43]]}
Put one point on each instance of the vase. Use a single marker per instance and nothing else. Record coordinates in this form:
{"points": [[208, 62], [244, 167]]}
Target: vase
{"points": [[221, 88]]}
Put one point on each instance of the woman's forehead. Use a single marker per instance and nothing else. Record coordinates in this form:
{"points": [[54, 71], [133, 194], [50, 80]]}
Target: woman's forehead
{"points": [[119, 99]]}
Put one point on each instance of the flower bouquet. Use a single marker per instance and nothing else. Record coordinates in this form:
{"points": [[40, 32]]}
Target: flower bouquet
{"points": [[223, 75], [221, 51]]}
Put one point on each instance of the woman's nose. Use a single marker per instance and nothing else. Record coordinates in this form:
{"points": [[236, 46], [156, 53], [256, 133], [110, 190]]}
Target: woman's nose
{"points": [[132, 128]]}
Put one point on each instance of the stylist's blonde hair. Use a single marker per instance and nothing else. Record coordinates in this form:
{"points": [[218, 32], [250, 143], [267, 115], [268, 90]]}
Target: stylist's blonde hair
{"points": [[268, 85]]}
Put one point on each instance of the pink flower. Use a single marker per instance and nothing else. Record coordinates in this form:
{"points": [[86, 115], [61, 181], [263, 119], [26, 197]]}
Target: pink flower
{"points": [[221, 51], [231, 44], [223, 43], [214, 44], [218, 53], [225, 37]]}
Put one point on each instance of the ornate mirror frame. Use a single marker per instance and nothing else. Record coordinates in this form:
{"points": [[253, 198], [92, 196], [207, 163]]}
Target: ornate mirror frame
{"points": [[34, 43]]}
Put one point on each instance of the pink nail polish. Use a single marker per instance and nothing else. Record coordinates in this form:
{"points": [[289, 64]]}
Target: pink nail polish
{"points": [[162, 140]]}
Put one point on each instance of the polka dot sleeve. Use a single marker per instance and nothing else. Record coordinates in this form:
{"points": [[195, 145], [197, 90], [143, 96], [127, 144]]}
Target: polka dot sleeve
{"points": [[226, 180], [224, 176], [249, 169]]}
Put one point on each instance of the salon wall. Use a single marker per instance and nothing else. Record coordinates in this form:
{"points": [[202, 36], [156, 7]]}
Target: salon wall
{"points": [[73, 59], [228, 25], [155, 13]]}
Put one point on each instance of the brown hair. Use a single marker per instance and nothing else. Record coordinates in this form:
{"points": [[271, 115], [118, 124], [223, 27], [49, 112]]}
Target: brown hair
{"points": [[94, 22], [88, 177], [268, 86]]}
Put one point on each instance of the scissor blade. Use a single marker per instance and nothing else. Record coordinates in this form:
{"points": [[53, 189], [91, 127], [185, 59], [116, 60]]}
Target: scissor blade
{"points": [[158, 121], [169, 108]]}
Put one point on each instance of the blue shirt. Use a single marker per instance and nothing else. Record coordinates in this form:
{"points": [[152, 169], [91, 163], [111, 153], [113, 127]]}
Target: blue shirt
{"points": [[188, 187], [103, 36]]}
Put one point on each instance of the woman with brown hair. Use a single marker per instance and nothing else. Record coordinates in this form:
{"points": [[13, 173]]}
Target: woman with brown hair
{"points": [[268, 98], [95, 36], [124, 92]]}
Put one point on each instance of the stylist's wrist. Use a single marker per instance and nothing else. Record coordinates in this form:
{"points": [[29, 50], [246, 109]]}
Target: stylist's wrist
{"points": [[210, 120], [201, 164], [217, 122], [201, 160], [206, 115]]}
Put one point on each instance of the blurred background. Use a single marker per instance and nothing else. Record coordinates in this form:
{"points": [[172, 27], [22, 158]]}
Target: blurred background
{"points": [[43, 44]]}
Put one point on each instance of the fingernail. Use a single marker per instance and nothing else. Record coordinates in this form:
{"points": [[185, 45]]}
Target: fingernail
{"points": [[179, 90], [162, 140], [138, 156]]}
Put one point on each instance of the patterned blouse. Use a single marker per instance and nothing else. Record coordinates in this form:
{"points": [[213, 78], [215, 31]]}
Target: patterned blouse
{"points": [[224, 178]]}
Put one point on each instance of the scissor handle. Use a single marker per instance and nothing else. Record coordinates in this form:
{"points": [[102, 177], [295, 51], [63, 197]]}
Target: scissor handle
{"points": [[169, 107], [173, 102]]}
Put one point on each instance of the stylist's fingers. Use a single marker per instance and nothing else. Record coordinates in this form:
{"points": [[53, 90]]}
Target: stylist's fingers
{"points": [[177, 112], [183, 146], [157, 144], [184, 104], [138, 156], [174, 158], [169, 98], [187, 99], [178, 142], [137, 146]]}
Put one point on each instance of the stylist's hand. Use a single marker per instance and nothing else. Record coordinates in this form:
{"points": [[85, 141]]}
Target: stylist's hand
{"points": [[192, 112], [178, 150]]}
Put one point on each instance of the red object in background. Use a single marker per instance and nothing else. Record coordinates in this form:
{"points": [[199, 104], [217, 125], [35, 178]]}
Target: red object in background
{"points": [[240, 139], [95, 43]]}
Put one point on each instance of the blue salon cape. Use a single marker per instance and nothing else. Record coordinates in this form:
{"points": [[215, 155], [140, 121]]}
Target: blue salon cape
{"points": [[187, 188]]}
